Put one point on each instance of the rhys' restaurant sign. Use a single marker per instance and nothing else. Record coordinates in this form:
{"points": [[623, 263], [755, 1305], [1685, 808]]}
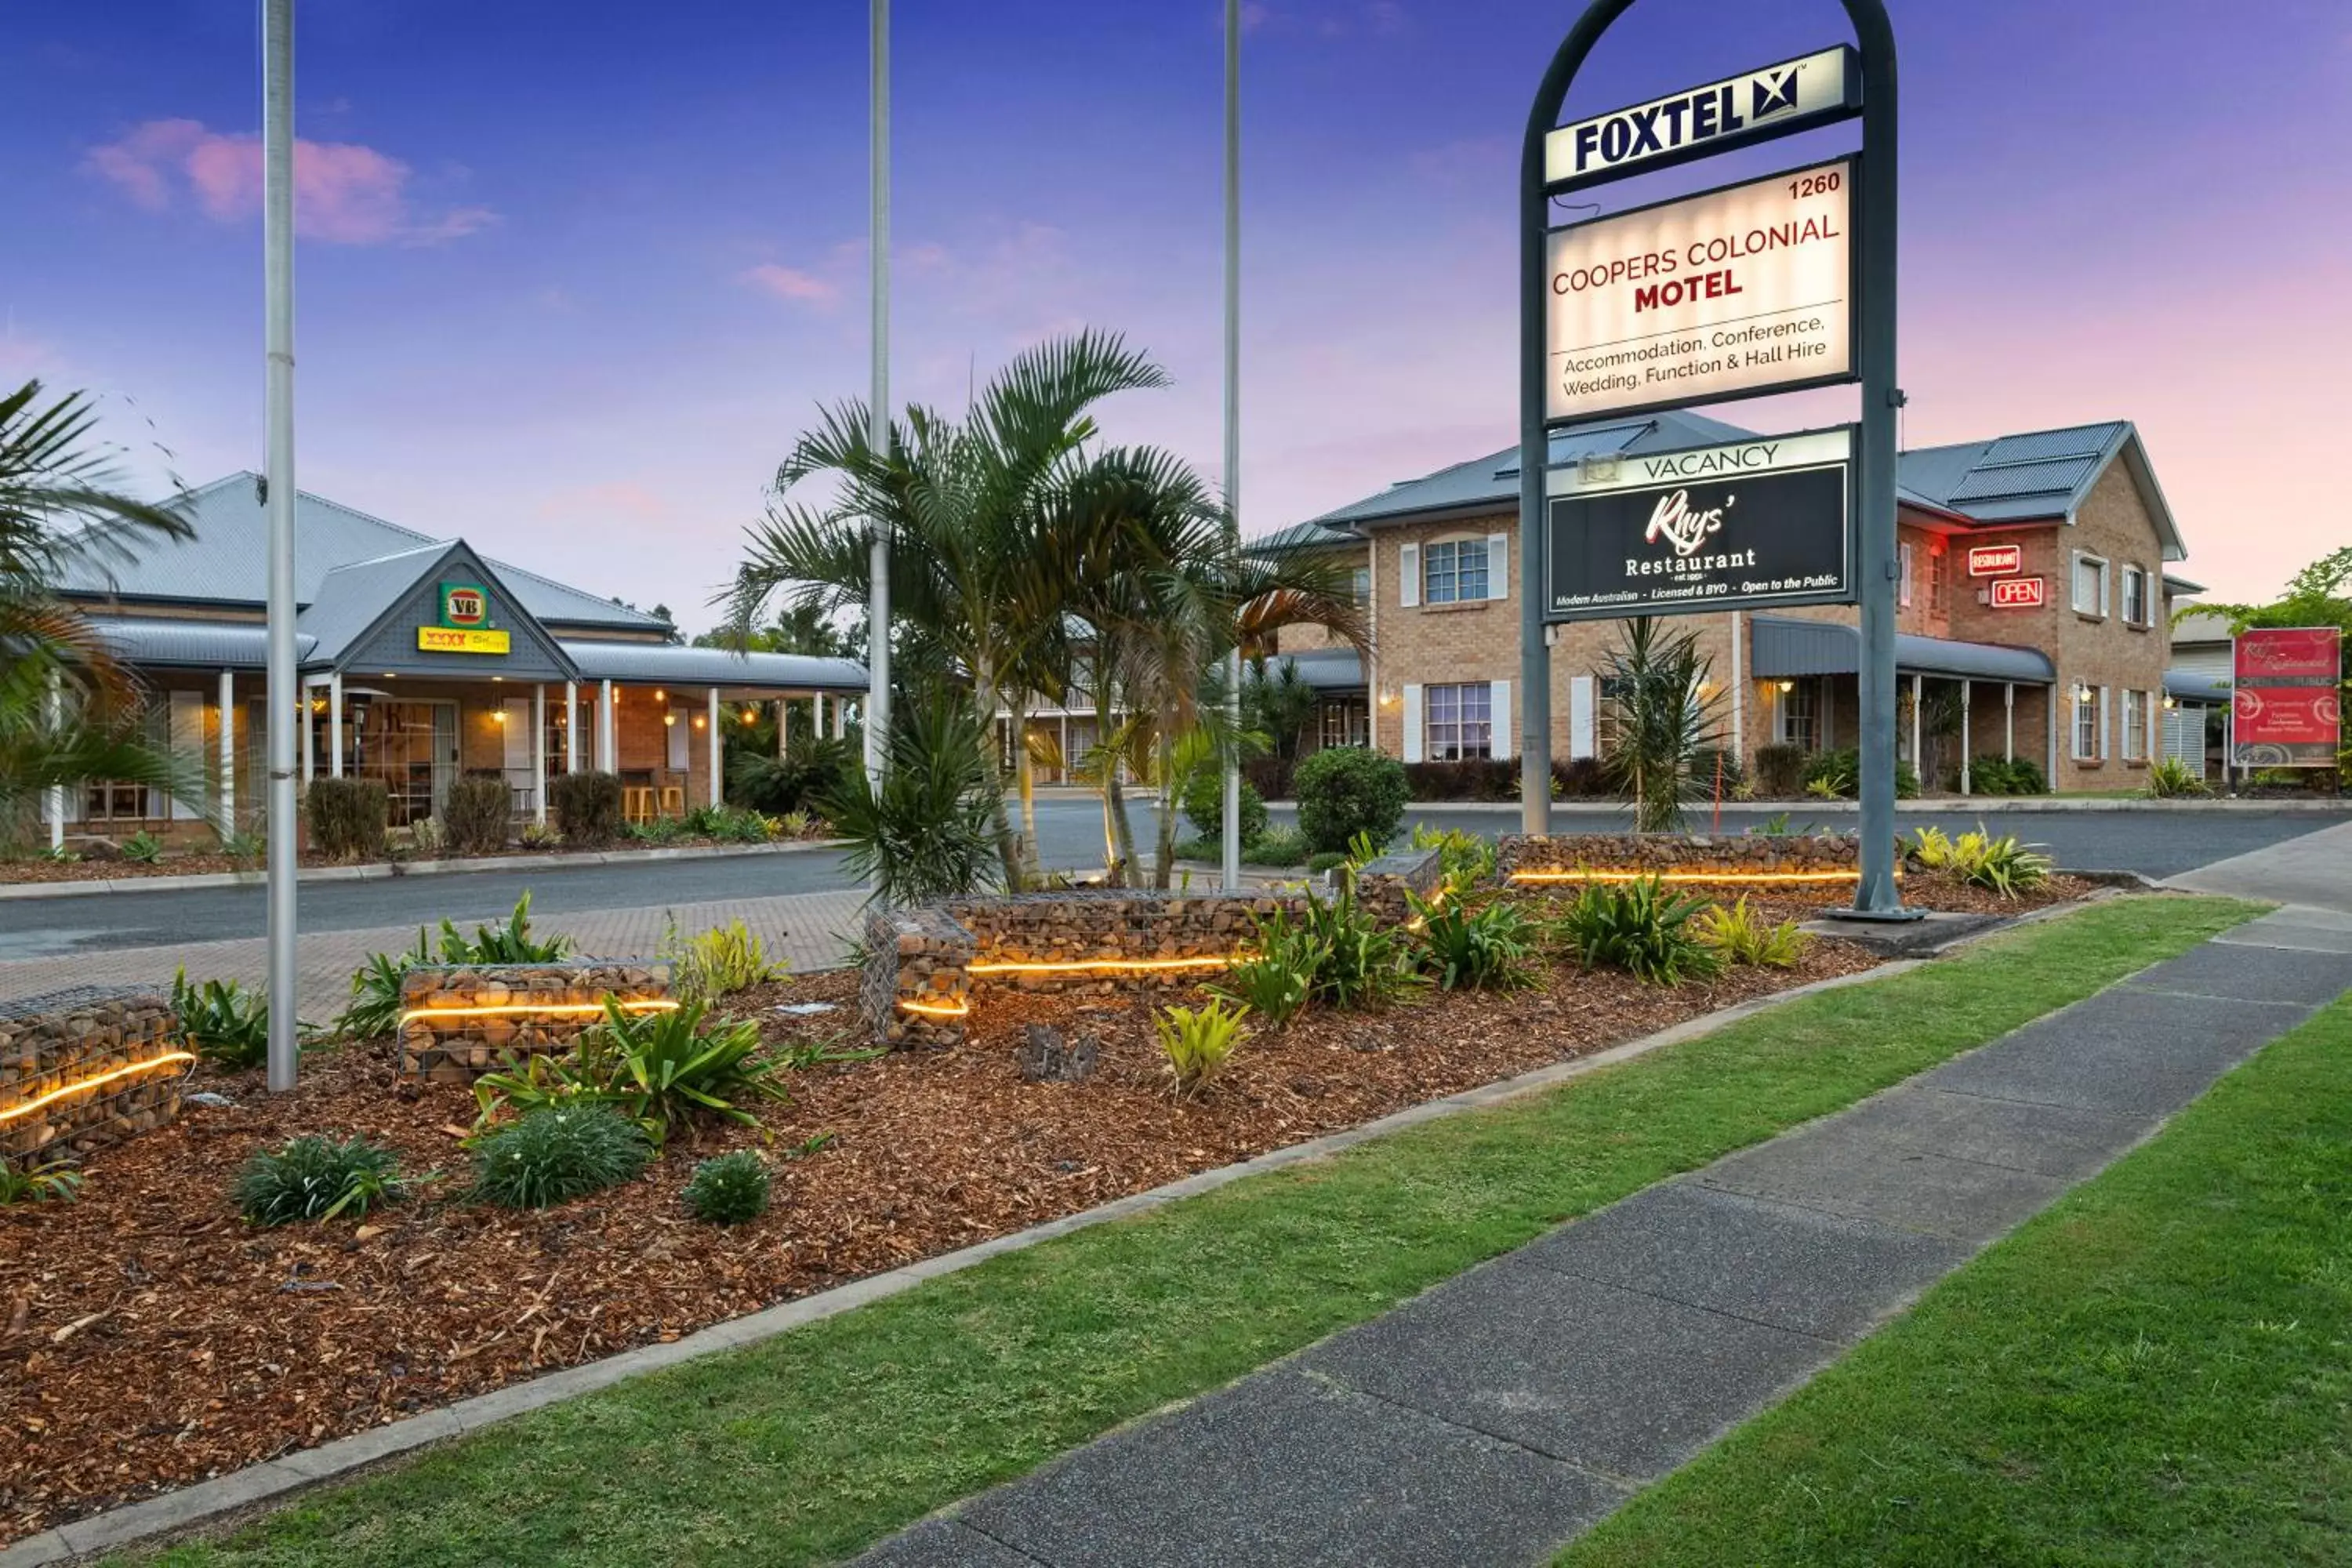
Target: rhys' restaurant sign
{"points": [[1751, 524]]}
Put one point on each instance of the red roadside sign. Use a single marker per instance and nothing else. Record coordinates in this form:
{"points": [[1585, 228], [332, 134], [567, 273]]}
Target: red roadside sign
{"points": [[2287, 711]]}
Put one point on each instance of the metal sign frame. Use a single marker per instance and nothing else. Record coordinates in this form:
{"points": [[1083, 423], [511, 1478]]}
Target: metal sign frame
{"points": [[1876, 896], [1848, 106]]}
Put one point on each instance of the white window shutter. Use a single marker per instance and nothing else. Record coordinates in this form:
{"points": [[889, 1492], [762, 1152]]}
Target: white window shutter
{"points": [[1498, 580], [2105, 571], [2106, 714], [1580, 716], [1499, 711], [517, 735], [1412, 719], [188, 736], [1408, 575]]}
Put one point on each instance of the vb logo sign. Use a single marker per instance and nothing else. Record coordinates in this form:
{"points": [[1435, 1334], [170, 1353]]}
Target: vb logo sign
{"points": [[464, 604]]}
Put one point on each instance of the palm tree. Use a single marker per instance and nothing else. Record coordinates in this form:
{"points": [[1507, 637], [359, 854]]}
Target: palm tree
{"points": [[1658, 681], [69, 711]]}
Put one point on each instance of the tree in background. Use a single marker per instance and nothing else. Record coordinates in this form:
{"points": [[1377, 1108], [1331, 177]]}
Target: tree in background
{"points": [[1655, 677], [68, 712]]}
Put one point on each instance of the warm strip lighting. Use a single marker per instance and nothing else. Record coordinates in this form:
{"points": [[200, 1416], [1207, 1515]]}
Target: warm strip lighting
{"points": [[1103, 965], [937, 1009], [541, 1009], [96, 1081], [1437, 902], [1784, 877]]}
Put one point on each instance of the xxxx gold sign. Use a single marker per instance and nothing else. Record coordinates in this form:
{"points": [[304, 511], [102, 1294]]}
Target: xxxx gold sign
{"points": [[461, 639]]}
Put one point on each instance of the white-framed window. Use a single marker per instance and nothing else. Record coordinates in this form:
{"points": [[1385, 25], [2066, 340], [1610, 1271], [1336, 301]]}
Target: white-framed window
{"points": [[1797, 714], [1359, 583], [2086, 724], [1458, 721], [1347, 721], [2090, 585], [1454, 571], [1904, 596], [2135, 596], [1937, 558], [2135, 731]]}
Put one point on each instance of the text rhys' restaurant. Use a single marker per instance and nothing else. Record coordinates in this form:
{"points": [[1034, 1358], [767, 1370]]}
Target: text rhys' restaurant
{"points": [[422, 660]]}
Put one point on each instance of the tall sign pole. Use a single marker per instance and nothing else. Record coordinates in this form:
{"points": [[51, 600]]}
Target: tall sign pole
{"points": [[878, 431], [277, 410], [1715, 296], [1231, 849]]}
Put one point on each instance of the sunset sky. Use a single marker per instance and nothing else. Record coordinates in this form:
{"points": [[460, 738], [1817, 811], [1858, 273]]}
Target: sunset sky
{"points": [[573, 275]]}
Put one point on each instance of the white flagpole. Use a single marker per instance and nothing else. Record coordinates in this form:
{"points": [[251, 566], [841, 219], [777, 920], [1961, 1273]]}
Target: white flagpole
{"points": [[277, 274]]}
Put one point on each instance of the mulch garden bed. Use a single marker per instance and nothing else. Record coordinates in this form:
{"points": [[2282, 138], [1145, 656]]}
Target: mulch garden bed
{"points": [[199, 863], [149, 1337]]}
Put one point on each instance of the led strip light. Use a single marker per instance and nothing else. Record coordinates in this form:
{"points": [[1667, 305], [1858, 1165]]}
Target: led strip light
{"points": [[1815, 878], [95, 1080], [540, 1009], [937, 1009], [1103, 965]]}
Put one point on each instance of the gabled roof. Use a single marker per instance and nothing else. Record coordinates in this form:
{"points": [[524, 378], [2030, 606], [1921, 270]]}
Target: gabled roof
{"points": [[1302, 536], [2037, 476], [227, 559]]}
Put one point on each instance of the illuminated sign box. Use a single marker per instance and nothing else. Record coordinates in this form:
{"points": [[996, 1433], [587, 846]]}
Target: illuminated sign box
{"points": [[2016, 593], [1772, 100], [1728, 293], [461, 639], [1995, 559], [2288, 710]]}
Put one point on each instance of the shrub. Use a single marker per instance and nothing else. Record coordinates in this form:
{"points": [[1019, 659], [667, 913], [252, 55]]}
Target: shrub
{"points": [[222, 1021], [2167, 778], [1204, 807], [374, 1008], [1344, 790], [556, 1154], [1638, 926], [1278, 979], [540, 836], [1323, 860], [1743, 936], [720, 962], [1199, 1041], [509, 943], [318, 1178], [1658, 681], [2000, 775], [53, 1181], [1464, 858], [779, 785], [930, 831], [586, 808], [1705, 777], [1781, 769], [2003, 864], [1581, 778], [730, 1189], [427, 838], [1276, 847], [478, 815], [658, 1069], [1837, 776], [348, 817], [1477, 778], [143, 848], [1359, 963], [1472, 950]]}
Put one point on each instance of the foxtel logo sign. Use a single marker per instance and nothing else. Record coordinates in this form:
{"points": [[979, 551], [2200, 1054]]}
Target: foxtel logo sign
{"points": [[1738, 108]]}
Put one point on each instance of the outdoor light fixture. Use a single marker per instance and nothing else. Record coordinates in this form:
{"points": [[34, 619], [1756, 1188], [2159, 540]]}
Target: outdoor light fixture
{"points": [[497, 715], [2082, 693], [669, 718], [94, 1081], [697, 720], [659, 695], [751, 715], [2167, 700], [1787, 686]]}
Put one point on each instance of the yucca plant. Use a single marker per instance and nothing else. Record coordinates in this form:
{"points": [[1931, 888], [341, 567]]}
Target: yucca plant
{"points": [[1658, 681], [1743, 936], [1641, 928], [53, 1181], [658, 1069], [1467, 949], [1199, 1041]]}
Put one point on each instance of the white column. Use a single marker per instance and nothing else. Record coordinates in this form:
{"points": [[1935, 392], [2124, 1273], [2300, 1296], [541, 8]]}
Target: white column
{"points": [[841, 719], [1738, 696], [1068, 762], [570, 726], [2009, 721], [716, 794], [608, 731], [783, 726], [539, 754], [335, 725], [1919, 762], [817, 706], [1968, 737], [310, 762], [52, 804], [228, 752]]}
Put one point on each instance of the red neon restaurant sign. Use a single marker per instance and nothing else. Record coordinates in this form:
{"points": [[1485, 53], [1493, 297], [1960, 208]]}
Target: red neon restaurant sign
{"points": [[1995, 559], [2016, 593], [2287, 711]]}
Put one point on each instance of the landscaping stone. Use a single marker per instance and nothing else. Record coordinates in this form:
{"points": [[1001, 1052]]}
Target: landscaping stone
{"points": [[59, 1039], [1734, 854], [445, 1039]]}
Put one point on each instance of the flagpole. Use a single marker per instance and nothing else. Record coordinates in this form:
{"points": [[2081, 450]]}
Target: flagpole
{"points": [[1231, 835], [878, 434], [278, 407]]}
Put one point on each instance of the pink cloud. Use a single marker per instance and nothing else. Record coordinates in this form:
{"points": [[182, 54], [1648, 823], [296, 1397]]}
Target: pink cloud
{"points": [[791, 283], [345, 193]]}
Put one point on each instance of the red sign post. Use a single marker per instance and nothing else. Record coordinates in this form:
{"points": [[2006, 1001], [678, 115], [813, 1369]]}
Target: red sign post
{"points": [[2288, 708]]}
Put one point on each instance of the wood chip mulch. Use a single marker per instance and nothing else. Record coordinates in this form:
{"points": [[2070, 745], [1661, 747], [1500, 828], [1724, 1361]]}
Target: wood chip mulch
{"points": [[149, 1338]]}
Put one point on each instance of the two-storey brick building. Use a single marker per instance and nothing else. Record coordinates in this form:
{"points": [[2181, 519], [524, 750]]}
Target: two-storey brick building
{"points": [[2075, 682]]}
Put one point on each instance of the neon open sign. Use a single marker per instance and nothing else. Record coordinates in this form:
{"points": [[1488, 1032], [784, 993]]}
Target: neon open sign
{"points": [[2017, 594]]}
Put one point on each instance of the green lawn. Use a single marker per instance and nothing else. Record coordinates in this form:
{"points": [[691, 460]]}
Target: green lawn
{"points": [[812, 1445], [2157, 1369]]}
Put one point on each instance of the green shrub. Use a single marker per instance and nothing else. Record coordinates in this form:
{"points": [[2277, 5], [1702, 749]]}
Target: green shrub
{"points": [[2003, 864], [143, 848], [478, 815], [1581, 778], [1278, 978], [52, 1181], [348, 817], [375, 1005], [1344, 790], [1781, 769], [1471, 950], [556, 1154], [1323, 860], [222, 1021], [1838, 775], [1204, 807], [586, 808], [1705, 778], [1283, 847], [1638, 926], [720, 962], [779, 785], [1463, 857], [1360, 962], [658, 1069], [2171, 778], [1743, 936], [1199, 1041], [2001, 775], [1476, 778], [930, 831], [318, 1178], [729, 1190]]}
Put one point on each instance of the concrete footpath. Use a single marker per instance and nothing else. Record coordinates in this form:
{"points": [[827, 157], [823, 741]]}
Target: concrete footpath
{"points": [[2314, 871], [1499, 1414]]}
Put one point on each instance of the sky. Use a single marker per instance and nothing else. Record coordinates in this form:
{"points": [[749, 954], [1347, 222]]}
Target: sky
{"points": [[573, 275]]}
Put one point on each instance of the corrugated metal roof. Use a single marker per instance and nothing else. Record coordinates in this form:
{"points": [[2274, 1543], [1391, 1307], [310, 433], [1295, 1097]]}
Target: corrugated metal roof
{"points": [[2191, 686], [150, 643], [227, 559], [2072, 441], [2005, 481], [351, 599], [667, 664], [1785, 648]]}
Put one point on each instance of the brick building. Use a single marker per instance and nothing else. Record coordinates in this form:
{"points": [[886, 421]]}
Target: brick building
{"points": [[2075, 683]]}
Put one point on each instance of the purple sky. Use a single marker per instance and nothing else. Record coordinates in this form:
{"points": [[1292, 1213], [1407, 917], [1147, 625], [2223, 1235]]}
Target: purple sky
{"points": [[575, 274]]}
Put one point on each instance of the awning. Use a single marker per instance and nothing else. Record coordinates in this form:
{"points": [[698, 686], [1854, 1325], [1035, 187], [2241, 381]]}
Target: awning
{"points": [[1785, 648], [2190, 686], [735, 674]]}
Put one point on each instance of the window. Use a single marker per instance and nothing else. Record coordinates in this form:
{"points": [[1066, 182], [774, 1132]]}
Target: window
{"points": [[110, 800], [2135, 596], [2090, 585], [1453, 572], [1797, 715], [1347, 721], [1359, 583], [1458, 721], [2134, 716], [1936, 557], [1904, 598], [2086, 724]]}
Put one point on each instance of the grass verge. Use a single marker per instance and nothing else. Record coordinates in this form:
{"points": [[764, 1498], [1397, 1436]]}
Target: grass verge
{"points": [[808, 1448], [2157, 1369]]}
